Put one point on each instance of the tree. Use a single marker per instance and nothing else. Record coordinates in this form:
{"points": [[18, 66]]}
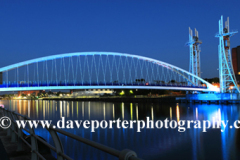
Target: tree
{"points": [[140, 80], [58, 93], [172, 82], [23, 95]]}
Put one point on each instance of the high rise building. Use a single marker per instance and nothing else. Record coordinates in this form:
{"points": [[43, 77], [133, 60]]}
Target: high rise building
{"points": [[236, 62]]}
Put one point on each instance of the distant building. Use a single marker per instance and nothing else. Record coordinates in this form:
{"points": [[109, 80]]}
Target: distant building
{"points": [[86, 92], [236, 62], [28, 93]]}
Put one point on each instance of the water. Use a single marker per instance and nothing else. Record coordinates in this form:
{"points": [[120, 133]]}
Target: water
{"points": [[149, 144]]}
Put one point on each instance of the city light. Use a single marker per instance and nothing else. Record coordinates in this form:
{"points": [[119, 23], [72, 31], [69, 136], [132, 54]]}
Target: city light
{"points": [[121, 93]]}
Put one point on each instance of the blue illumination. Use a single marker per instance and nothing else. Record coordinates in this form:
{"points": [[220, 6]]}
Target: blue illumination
{"points": [[102, 87], [179, 71], [226, 73], [216, 96]]}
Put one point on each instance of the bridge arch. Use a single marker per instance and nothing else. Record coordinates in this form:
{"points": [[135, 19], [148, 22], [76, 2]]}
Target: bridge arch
{"points": [[108, 68]]}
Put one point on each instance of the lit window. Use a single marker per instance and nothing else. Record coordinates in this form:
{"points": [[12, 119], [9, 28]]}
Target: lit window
{"points": [[238, 73]]}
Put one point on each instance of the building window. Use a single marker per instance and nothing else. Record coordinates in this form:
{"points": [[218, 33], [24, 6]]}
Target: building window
{"points": [[238, 73]]}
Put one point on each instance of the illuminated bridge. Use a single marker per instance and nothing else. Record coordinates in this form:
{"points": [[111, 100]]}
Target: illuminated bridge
{"points": [[98, 70]]}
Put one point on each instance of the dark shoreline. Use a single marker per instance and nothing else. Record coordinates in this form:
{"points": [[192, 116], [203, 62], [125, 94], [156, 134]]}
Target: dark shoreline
{"points": [[169, 99]]}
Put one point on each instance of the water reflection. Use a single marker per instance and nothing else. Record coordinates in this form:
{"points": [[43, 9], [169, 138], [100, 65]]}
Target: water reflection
{"points": [[137, 111], [122, 111], [113, 112], [149, 143], [170, 113], [103, 111], [196, 113], [29, 108], [178, 113], [89, 108], [152, 113]]}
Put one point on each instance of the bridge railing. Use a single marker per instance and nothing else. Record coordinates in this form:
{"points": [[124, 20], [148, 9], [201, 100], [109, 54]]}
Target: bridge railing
{"points": [[17, 135], [4, 85]]}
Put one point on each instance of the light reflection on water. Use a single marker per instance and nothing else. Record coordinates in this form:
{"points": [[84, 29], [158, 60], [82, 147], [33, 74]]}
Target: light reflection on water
{"points": [[149, 143]]}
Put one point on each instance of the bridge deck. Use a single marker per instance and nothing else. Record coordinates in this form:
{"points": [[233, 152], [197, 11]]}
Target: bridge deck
{"points": [[52, 86]]}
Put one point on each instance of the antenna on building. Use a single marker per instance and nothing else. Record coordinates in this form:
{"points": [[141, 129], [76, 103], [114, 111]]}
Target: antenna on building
{"points": [[226, 74]]}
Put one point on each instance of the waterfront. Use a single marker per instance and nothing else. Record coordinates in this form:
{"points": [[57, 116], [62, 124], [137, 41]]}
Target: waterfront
{"points": [[148, 144]]}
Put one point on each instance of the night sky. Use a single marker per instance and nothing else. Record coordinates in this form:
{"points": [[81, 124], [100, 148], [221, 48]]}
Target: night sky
{"points": [[156, 29]]}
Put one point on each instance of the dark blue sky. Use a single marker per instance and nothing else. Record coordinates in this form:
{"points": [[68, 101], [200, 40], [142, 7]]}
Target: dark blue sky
{"points": [[156, 29]]}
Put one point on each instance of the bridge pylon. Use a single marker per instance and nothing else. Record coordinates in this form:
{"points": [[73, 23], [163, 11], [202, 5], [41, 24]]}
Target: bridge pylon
{"points": [[226, 73], [194, 48]]}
